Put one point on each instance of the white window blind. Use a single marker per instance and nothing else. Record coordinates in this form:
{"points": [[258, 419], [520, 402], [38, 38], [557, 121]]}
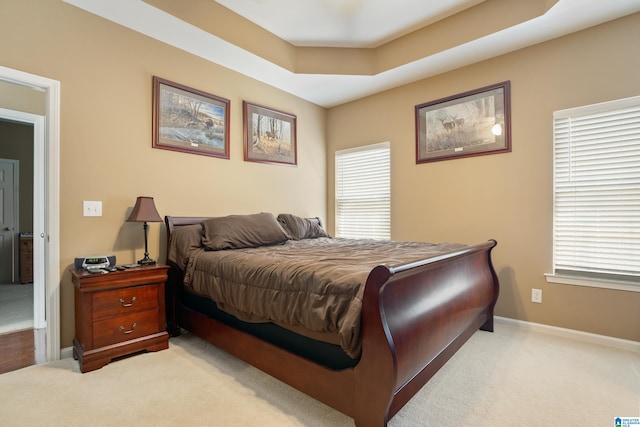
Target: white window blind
{"points": [[597, 191], [363, 192]]}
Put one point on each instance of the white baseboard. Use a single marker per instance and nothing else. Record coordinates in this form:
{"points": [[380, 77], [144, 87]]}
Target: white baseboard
{"points": [[66, 352], [572, 334]]}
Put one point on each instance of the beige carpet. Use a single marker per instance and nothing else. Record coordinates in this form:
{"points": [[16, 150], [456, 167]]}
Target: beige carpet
{"points": [[510, 377]]}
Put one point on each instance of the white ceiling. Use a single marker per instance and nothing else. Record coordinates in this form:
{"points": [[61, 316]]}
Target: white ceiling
{"points": [[344, 23], [351, 23]]}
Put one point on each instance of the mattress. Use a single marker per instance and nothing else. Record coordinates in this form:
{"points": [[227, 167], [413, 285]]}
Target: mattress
{"points": [[313, 287]]}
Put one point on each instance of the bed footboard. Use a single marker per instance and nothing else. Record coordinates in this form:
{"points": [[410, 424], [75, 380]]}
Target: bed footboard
{"points": [[415, 317]]}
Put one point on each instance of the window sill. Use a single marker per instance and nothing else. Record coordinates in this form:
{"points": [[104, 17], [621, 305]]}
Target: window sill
{"points": [[593, 283]]}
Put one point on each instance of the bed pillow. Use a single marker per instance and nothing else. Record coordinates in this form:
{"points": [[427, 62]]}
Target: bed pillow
{"points": [[302, 228], [242, 231], [184, 240]]}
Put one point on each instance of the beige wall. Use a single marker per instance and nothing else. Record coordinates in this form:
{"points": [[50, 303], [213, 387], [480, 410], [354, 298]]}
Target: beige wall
{"points": [[507, 197], [105, 72], [21, 98]]}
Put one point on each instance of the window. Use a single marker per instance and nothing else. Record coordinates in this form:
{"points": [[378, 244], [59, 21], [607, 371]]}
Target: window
{"points": [[363, 192], [597, 193]]}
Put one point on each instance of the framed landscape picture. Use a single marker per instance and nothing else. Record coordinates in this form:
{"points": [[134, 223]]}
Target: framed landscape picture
{"points": [[469, 124], [189, 120], [269, 135]]}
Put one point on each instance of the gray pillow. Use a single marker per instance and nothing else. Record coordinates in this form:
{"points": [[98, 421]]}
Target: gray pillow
{"points": [[184, 240], [242, 231], [302, 228]]}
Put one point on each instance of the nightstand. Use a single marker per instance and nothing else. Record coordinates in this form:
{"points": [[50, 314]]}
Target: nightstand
{"points": [[118, 313]]}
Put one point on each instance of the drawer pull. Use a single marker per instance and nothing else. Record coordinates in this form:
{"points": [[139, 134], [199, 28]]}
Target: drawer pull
{"points": [[129, 331], [122, 303]]}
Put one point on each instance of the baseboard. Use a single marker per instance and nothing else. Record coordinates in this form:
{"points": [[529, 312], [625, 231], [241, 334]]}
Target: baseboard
{"points": [[572, 334], [66, 352]]}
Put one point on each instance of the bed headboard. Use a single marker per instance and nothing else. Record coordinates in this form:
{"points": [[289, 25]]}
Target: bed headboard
{"points": [[173, 222]]}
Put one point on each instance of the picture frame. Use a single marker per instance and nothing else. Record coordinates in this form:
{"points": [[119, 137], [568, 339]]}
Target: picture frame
{"points": [[189, 120], [473, 123], [269, 135]]}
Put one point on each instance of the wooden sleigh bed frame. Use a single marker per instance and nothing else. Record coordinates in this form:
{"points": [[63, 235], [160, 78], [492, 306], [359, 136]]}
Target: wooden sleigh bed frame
{"points": [[414, 318]]}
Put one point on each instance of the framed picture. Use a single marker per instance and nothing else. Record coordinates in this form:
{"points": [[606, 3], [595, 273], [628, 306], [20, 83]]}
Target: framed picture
{"points": [[189, 120], [469, 124], [269, 135]]}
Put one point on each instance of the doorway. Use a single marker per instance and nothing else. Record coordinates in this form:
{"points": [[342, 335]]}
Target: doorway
{"points": [[16, 287], [46, 215], [21, 336]]}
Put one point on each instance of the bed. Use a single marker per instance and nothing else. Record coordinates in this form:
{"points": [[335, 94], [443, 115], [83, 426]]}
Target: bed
{"points": [[364, 350]]}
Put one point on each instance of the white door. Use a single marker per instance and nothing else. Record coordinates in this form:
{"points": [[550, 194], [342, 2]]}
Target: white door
{"points": [[8, 220]]}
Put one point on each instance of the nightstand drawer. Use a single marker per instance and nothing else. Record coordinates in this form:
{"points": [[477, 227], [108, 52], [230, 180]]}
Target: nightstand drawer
{"points": [[118, 313], [119, 302], [124, 328]]}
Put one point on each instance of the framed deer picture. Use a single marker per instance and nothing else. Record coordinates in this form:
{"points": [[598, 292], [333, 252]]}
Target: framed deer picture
{"points": [[269, 135], [189, 120], [472, 123]]}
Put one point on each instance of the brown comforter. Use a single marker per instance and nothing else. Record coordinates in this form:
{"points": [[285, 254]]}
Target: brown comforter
{"points": [[311, 286]]}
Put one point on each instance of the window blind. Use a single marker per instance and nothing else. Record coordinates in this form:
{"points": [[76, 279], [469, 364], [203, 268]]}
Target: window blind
{"points": [[363, 192], [597, 190]]}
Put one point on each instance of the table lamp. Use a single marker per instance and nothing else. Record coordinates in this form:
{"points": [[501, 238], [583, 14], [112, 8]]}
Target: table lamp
{"points": [[145, 211]]}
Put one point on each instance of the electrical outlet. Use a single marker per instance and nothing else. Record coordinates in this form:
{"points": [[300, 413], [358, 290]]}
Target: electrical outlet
{"points": [[91, 208], [536, 295]]}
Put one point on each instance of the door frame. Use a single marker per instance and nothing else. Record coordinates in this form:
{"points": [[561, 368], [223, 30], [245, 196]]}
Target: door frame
{"points": [[46, 209]]}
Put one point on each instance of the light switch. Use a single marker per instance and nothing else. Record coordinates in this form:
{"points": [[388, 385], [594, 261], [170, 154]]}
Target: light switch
{"points": [[91, 208]]}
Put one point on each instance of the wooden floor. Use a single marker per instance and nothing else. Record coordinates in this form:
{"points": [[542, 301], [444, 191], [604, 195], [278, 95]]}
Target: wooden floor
{"points": [[18, 350]]}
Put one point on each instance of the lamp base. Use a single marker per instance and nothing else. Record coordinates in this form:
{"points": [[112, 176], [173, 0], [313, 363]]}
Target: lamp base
{"points": [[147, 261]]}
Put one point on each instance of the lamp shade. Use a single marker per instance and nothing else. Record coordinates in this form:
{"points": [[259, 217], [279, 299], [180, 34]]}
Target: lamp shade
{"points": [[144, 211]]}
